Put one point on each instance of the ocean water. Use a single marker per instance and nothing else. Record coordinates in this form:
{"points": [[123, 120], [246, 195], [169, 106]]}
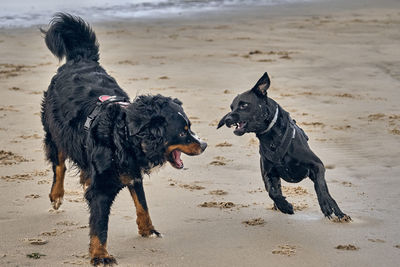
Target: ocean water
{"points": [[25, 13]]}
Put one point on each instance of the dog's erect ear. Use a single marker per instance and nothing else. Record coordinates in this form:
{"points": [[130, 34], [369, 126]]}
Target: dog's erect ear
{"points": [[262, 85], [222, 121]]}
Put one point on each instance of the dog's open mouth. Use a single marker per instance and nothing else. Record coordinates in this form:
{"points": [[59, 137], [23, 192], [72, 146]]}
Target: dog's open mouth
{"points": [[240, 128], [175, 159]]}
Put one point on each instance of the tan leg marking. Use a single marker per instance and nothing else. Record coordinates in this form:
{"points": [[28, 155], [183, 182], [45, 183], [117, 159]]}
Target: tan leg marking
{"points": [[98, 252], [126, 180], [57, 190], [143, 220]]}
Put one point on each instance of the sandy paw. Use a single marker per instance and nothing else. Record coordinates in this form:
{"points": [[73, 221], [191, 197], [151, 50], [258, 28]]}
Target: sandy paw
{"points": [[106, 261], [57, 203], [150, 232], [343, 219]]}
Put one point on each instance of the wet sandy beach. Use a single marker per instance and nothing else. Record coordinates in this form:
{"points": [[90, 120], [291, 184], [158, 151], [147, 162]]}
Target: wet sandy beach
{"points": [[335, 68]]}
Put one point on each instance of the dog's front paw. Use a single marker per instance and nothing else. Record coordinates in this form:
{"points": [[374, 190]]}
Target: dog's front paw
{"points": [[108, 260], [345, 218], [56, 201], [155, 232], [284, 206], [149, 232], [327, 211], [288, 208], [329, 207], [342, 219]]}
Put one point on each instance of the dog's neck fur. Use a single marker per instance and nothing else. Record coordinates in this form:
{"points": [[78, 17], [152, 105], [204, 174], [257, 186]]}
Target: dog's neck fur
{"points": [[276, 132], [272, 122], [274, 142]]}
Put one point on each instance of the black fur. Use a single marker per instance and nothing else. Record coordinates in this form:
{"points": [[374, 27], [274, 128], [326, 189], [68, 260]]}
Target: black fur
{"points": [[71, 37], [122, 140], [283, 147]]}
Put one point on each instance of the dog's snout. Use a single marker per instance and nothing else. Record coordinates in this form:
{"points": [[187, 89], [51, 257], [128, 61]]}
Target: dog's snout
{"points": [[229, 120], [203, 146], [201, 143]]}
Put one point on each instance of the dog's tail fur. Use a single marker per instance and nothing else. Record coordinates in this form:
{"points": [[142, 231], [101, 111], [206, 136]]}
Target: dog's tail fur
{"points": [[71, 37]]}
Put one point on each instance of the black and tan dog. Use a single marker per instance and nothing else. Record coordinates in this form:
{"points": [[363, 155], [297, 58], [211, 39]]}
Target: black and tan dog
{"points": [[88, 119], [283, 147]]}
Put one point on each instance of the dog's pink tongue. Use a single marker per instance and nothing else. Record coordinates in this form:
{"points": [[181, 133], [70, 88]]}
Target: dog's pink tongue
{"points": [[177, 158]]}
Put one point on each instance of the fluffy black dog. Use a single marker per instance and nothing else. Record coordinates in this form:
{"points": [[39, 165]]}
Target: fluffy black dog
{"points": [[283, 147], [88, 119]]}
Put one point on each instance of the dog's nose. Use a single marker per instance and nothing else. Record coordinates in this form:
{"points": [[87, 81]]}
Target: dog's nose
{"points": [[229, 120], [203, 145]]}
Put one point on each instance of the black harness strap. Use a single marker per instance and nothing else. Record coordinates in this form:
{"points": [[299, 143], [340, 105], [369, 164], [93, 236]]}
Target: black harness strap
{"points": [[275, 150], [275, 155], [104, 100]]}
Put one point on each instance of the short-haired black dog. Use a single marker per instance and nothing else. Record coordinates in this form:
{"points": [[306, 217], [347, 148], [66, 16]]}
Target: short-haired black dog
{"points": [[283, 147], [88, 119]]}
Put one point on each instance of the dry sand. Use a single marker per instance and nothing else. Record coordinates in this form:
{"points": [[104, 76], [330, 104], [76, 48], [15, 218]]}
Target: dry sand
{"points": [[335, 67]]}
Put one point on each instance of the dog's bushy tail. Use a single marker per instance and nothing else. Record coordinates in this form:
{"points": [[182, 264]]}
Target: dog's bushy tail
{"points": [[71, 37]]}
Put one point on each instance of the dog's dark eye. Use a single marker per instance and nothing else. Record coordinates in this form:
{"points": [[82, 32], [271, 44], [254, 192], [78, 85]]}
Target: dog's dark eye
{"points": [[182, 134], [243, 106]]}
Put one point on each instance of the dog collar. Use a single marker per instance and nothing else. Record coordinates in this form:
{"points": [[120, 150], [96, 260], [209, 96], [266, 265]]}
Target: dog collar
{"points": [[104, 100], [272, 123]]}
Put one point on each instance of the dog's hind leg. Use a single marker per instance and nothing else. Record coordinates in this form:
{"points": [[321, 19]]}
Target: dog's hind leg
{"points": [[57, 159], [143, 220], [57, 189], [327, 203], [273, 186]]}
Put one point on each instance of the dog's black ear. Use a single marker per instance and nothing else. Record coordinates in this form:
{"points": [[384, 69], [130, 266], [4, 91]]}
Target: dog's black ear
{"points": [[222, 121], [134, 128], [154, 139], [154, 123], [262, 85]]}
